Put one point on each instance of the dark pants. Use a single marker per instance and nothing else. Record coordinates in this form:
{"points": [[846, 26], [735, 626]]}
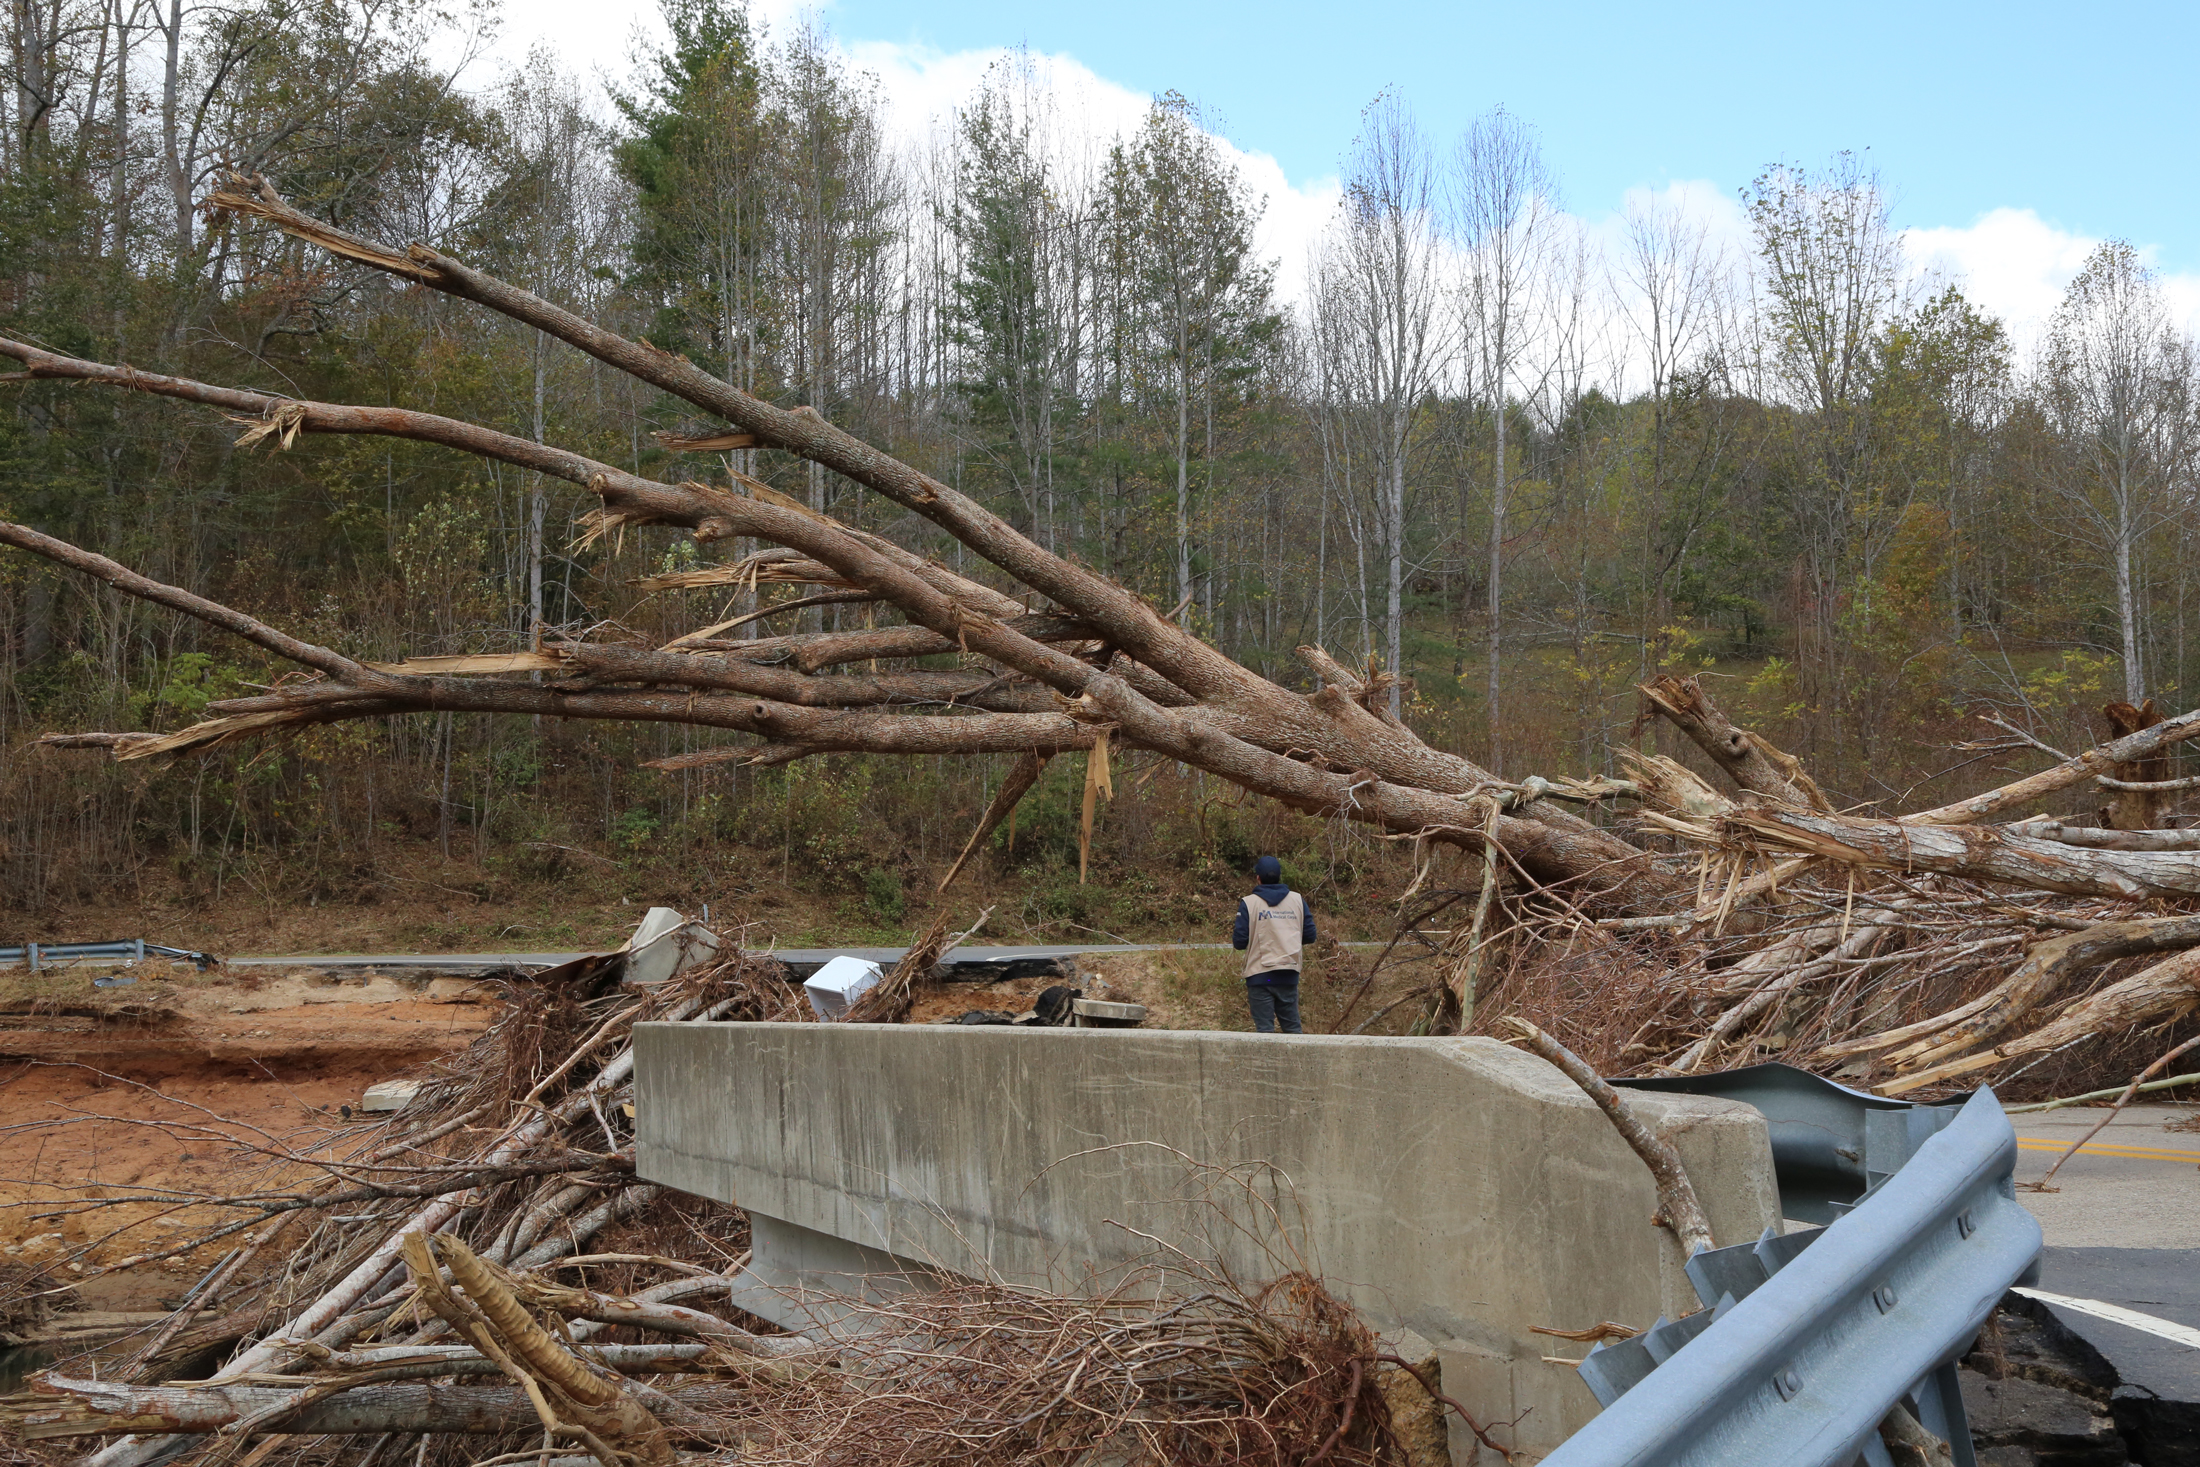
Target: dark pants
{"points": [[1275, 1004]]}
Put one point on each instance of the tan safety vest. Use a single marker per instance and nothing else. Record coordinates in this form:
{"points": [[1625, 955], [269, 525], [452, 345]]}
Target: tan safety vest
{"points": [[1273, 935]]}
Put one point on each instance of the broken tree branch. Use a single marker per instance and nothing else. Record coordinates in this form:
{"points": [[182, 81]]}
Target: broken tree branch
{"points": [[1022, 775], [1678, 1210], [2095, 761], [2115, 1110], [1752, 762]]}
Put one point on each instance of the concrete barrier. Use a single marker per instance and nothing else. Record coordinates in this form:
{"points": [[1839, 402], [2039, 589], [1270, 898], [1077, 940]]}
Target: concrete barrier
{"points": [[1457, 1191]]}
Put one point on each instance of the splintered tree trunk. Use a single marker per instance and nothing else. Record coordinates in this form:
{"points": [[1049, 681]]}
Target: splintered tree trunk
{"points": [[1753, 763], [2135, 809], [1981, 854]]}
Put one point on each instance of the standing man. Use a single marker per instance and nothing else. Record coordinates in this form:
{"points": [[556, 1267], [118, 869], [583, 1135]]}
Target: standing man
{"points": [[1273, 925]]}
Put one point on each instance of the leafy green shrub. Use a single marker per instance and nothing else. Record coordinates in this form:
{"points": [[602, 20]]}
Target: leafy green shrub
{"points": [[882, 889]]}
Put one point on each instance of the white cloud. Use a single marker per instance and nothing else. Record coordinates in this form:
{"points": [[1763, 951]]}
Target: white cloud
{"points": [[2016, 265], [922, 87], [2010, 261]]}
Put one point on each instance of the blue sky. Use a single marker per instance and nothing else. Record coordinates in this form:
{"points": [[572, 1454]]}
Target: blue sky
{"points": [[2085, 114], [2011, 137]]}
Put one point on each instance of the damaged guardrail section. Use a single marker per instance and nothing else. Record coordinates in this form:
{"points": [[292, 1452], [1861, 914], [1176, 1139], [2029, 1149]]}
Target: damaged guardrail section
{"points": [[1809, 1340]]}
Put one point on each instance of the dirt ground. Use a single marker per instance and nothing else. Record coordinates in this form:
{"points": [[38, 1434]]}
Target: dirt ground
{"points": [[1184, 988], [174, 1085]]}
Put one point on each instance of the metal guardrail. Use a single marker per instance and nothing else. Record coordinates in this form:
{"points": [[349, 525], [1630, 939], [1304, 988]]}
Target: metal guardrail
{"points": [[1808, 1340], [39, 954]]}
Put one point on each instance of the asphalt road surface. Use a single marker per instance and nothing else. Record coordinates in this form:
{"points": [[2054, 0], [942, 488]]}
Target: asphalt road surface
{"points": [[2121, 1266], [2135, 1185]]}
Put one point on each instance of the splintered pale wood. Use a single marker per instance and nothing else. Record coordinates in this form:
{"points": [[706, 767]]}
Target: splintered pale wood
{"points": [[475, 663], [707, 443], [1097, 784], [1748, 758]]}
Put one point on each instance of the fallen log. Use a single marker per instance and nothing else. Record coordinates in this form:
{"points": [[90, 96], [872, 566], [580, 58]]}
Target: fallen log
{"points": [[2163, 991], [58, 1406], [2046, 968], [665, 1318], [2132, 839], [1981, 853]]}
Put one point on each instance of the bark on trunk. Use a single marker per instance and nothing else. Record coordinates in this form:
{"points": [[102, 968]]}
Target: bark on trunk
{"points": [[1749, 760], [2135, 809], [95, 1408], [1980, 854], [2045, 971], [2166, 990]]}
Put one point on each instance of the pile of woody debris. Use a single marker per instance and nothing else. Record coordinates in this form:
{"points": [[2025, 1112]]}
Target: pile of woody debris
{"points": [[481, 1278], [1914, 954]]}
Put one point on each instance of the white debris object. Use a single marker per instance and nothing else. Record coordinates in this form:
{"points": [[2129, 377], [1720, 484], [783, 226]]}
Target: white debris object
{"points": [[834, 988], [389, 1095], [664, 944]]}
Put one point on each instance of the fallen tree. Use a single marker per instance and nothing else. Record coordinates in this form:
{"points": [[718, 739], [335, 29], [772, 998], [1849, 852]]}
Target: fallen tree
{"points": [[1118, 663], [1750, 921]]}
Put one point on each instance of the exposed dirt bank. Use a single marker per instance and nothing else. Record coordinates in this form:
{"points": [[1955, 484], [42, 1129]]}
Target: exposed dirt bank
{"points": [[117, 1105]]}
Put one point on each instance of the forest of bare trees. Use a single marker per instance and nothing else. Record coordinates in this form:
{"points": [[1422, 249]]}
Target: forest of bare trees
{"points": [[1504, 465]]}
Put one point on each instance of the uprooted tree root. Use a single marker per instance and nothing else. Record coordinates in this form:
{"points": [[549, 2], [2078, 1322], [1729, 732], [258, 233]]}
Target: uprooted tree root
{"points": [[984, 1374]]}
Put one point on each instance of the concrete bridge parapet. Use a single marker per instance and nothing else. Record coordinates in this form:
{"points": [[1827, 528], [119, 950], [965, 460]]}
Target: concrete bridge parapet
{"points": [[1456, 1191]]}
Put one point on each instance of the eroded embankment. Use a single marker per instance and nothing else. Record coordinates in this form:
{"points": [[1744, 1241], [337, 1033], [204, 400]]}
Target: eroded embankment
{"points": [[121, 1108]]}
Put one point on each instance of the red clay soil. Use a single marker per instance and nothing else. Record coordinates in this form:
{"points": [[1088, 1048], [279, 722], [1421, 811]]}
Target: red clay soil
{"points": [[174, 1085]]}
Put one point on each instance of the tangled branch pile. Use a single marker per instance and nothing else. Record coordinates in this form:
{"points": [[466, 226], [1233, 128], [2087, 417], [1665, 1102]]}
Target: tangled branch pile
{"points": [[482, 1277], [1908, 953]]}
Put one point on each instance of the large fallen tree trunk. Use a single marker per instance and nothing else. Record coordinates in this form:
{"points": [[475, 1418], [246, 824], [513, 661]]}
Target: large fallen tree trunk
{"points": [[2169, 989], [100, 1408], [1981, 853], [2045, 971]]}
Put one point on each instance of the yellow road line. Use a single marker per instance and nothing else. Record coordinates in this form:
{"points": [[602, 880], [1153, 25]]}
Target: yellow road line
{"points": [[2103, 1148]]}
